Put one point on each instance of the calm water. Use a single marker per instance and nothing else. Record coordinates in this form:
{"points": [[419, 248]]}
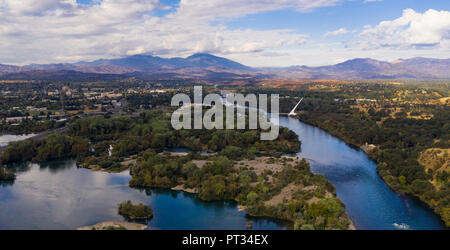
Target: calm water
{"points": [[5, 139], [59, 195], [369, 201]]}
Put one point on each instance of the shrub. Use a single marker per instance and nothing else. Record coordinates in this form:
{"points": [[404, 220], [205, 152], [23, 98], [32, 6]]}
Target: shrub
{"points": [[135, 212]]}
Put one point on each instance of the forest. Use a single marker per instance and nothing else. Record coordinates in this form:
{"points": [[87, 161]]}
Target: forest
{"points": [[146, 138], [400, 122], [222, 178], [89, 139]]}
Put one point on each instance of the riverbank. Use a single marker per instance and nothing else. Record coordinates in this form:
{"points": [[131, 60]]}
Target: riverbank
{"points": [[93, 197], [124, 165], [372, 207], [115, 225], [428, 204], [264, 186], [184, 189], [370, 151]]}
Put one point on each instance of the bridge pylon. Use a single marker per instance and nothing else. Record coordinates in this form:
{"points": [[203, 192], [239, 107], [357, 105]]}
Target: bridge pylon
{"points": [[292, 113]]}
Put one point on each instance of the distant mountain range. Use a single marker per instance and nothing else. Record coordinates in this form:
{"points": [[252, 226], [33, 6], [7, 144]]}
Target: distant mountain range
{"points": [[366, 68], [213, 68]]}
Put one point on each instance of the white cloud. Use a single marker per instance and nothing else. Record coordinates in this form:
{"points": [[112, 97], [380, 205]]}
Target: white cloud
{"points": [[323, 55], [43, 31], [33, 7], [216, 9], [430, 29], [340, 31]]}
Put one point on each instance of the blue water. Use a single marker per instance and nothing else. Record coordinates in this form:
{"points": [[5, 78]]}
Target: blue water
{"points": [[370, 203], [192, 213], [58, 195]]}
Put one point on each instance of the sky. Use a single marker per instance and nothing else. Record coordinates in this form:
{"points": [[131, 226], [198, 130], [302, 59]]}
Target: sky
{"points": [[258, 33]]}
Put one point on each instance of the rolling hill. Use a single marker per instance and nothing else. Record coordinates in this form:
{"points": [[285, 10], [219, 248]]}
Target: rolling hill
{"points": [[214, 68]]}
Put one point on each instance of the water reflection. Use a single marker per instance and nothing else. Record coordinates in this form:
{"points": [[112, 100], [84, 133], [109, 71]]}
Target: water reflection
{"points": [[58, 195], [6, 183], [369, 201]]}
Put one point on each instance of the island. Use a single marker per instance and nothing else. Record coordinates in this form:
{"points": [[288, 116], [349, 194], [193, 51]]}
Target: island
{"points": [[259, 175], [135, 212]]}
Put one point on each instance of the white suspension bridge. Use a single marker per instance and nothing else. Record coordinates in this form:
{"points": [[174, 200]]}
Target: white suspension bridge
{"points": [[292, 113]]}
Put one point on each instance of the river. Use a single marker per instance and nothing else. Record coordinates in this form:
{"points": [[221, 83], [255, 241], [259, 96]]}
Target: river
{"points": [[58, 195], [6, 139], [370, 203]]}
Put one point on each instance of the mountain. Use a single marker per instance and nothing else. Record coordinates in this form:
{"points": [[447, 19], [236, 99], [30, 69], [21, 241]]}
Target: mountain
{"points": [[60, 75], [9, 68], [434, 68], [207, 60], [366, 68], [152, 63], [214, 68], [359, 65]]}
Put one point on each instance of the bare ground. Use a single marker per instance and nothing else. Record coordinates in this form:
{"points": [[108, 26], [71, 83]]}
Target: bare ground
{"points": [[285, 194], [261, 164], [187, 190], [126, 225]]}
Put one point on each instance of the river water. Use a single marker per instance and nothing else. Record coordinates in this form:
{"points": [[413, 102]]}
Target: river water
{"points": [[5, 139], [58, 195], [370, 203]]}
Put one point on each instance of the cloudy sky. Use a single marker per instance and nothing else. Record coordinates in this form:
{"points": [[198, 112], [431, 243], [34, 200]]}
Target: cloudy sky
{"points": [[253, 32]]}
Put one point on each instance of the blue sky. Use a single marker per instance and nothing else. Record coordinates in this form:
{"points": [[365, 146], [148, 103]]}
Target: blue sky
{"points": [[254, 32], [352, 15]]}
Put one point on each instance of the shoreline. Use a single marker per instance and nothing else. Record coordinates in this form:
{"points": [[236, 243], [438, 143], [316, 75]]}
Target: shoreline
{"points": [[114, 224], [240, 207], [367, 152], [187, 190]]}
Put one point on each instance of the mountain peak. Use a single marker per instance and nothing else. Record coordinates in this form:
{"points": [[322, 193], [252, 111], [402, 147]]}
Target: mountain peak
{"points": [[208, 60], [361, 65], [214, 67], [362, 60], [196, 55]]}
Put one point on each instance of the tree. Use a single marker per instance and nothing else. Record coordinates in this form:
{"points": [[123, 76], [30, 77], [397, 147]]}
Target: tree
{"points": [[402, 180], [252, 198], [232, 152]]}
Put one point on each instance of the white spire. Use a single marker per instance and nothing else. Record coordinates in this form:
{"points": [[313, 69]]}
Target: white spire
{"points": [[292, 113]]}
